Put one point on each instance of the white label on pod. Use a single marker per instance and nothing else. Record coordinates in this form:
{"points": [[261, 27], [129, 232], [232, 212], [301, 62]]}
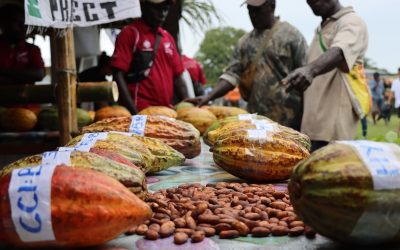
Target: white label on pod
{"points": [[88, 140], [30, 201], [138, 124], [246, 117], [381, 160], [56, 158], [258, 134], [378, 222], [265, 125]]}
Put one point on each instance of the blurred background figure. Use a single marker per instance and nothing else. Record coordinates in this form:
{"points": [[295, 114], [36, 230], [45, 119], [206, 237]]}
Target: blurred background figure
{"points": [[97, 73], [377, 91], [196, 74], [20, 62]]}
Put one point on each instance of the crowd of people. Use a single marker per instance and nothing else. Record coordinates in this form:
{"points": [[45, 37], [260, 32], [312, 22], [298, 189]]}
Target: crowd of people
{"points": [[318, 89]]}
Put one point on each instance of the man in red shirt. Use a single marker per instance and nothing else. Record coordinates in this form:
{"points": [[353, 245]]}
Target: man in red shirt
{"points": [[196, 74], [20, 62], [163, 75]]}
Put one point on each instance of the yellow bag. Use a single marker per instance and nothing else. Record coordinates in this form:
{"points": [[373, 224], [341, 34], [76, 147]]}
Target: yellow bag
{"points": [[357, 86], [358, 89]]}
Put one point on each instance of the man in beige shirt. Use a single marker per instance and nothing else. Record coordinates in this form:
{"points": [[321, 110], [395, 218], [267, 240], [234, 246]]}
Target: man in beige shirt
{"points": [[330, 109]]}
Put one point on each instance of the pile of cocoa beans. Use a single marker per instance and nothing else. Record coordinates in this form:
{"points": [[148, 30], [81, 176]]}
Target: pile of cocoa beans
{"points": [[229, 210]]}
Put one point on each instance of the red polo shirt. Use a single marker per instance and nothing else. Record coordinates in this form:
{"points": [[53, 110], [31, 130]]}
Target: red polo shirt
{"points": [[194, 69], [158, 87], [20, 56]]}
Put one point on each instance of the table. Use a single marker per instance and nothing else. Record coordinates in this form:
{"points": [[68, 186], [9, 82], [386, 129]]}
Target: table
{"points": [[202, 169]]}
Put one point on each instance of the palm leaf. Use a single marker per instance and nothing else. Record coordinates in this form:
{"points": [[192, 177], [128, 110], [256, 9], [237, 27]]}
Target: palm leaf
{"points": [[198, 15]]}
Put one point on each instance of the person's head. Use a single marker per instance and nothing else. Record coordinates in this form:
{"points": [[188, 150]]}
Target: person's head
{"points": [[377, 76], [12, 22], [104, 64], [154, 12], [324, 8], [261, 13], [398, 72]]}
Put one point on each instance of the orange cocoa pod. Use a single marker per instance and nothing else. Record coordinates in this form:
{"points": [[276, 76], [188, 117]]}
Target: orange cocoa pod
{"points": [[87, 208]]}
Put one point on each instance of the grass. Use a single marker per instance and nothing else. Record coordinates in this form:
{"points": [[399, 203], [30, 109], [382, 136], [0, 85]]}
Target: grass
{"points": [[380, 131]]}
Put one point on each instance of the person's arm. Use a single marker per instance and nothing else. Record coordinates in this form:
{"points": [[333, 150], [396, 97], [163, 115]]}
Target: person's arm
{"points": [[125, 97], [22, 75], [219, 90], [180, 87], [302, 78]]}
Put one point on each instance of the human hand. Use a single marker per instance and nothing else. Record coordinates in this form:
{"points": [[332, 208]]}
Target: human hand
{"points": [[300, 79], [198, 101]]}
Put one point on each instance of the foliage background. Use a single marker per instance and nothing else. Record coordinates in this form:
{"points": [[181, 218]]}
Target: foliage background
{"points": [[216, 50]]}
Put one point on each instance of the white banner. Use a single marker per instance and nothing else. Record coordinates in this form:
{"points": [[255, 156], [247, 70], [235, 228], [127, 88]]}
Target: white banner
{"points": [[66, 13]]}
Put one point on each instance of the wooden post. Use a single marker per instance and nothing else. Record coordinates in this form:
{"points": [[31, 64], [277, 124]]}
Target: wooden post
{"points": [[66, 83]]}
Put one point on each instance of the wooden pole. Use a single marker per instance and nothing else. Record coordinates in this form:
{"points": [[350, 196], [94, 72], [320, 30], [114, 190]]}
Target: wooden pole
{"points": [[66, 84]]}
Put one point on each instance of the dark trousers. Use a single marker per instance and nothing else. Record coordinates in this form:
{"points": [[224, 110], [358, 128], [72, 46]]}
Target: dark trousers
{"points": [[315, 145], [364, 126]]}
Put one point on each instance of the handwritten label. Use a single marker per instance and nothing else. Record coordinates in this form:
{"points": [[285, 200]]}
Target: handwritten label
{"points": [[258, 134], [88, 140], [246, 117], [265, 125], [138, 124], [56, 158], [30, 200], [382, 160]]}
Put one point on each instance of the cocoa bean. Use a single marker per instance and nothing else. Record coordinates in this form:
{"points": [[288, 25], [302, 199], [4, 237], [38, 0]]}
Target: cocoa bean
{"points": [[278, 205], [283, 223], [229, 234], [180, 238], [278, 195], [209, 231], [264, 224], [281, 214], [260, 232], [141, 229], [279, 231], [155, 227], [208, 218], [296, 224], [190, 222], [252, 216], [242, 228], [151, 234], [167, 229], [187, 231], [198, 236], [180, 222], [309, 232], [296, 231], [222, 227]]}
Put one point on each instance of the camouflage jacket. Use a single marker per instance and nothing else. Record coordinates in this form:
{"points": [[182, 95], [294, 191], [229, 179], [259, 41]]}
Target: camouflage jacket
{"points": [[285, 52]]}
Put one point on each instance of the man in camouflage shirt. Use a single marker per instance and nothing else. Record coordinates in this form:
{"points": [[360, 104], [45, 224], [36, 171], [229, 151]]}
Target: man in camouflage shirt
{"points": [[262, 58]]}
